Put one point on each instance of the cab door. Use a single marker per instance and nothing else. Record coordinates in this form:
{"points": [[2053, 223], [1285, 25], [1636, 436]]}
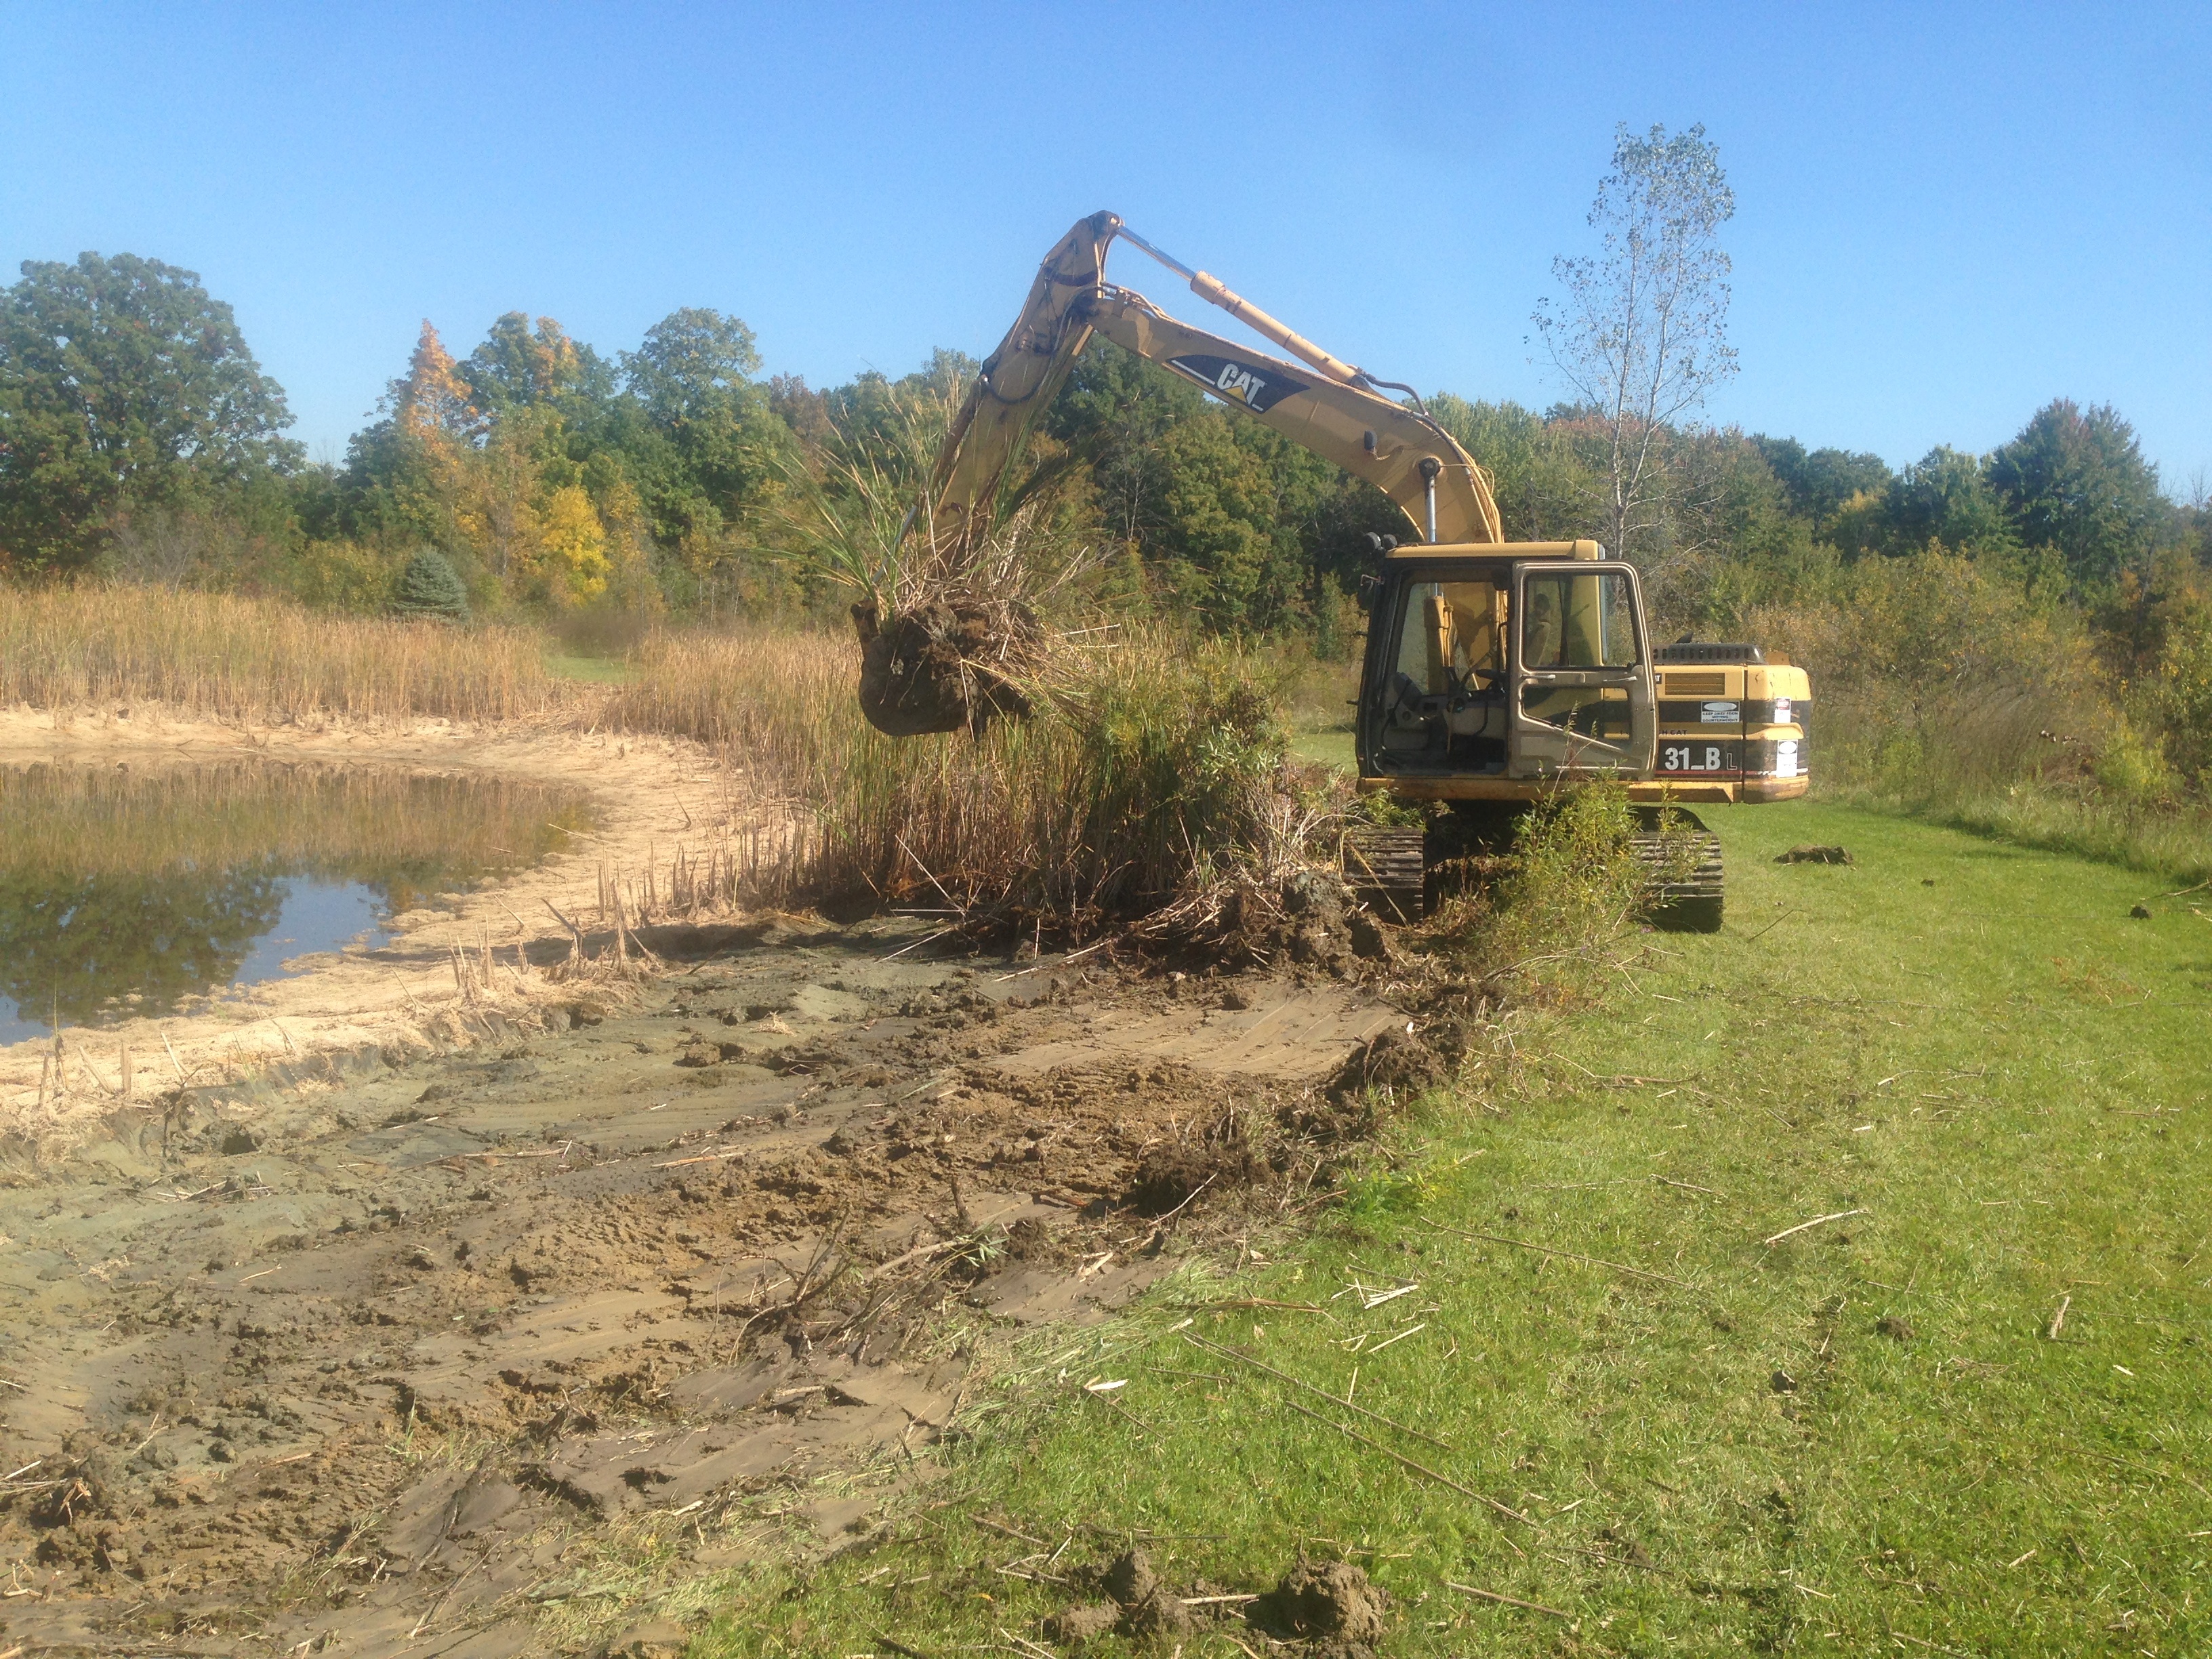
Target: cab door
{"points": [[1579, 672]]}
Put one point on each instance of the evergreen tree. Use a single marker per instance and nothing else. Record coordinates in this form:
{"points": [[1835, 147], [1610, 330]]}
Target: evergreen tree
{"points": [[431, 588], [2075, 480]]}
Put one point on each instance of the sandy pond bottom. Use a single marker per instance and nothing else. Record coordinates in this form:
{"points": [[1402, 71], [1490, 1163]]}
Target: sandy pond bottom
{"points": [[387, 1366]]}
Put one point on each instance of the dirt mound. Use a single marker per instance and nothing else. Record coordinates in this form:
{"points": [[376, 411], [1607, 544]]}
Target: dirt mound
{"points": [[1400, 1060], [1142, 1605], [1811, 855], [1329, 1604], [1149, 1607], [948, 665]]}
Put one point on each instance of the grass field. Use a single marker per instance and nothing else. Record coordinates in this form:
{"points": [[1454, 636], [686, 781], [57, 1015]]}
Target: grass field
{"points": [[1873, 1435]]}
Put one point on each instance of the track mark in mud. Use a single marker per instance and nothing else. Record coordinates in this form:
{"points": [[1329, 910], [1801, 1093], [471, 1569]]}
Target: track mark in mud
{"points": [[416, 1345]]}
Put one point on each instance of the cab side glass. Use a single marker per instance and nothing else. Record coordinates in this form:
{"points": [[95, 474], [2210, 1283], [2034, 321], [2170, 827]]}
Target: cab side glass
{"points": [[1578, 621]]}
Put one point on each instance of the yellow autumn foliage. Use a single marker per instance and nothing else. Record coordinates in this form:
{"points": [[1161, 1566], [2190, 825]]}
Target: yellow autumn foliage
{"points": [[574, 560]]}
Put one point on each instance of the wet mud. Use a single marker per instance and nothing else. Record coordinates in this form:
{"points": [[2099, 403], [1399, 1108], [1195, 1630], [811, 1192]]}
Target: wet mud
{"points": [[378, 1364]]}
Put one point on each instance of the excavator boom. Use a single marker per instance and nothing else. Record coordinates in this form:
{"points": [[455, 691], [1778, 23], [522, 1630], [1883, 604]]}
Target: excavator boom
{"points": [[1325, 404]]}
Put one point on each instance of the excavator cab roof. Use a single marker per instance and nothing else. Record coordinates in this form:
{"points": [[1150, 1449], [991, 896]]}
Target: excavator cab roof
{"points": [[1406, 552]]}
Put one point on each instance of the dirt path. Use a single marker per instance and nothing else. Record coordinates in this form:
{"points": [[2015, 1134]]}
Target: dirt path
{"points": [[459, 1355]]}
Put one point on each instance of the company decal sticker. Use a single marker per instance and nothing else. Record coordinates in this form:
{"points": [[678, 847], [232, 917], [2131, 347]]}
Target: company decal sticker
{"points": [[1720, 713], [1258, 387]]}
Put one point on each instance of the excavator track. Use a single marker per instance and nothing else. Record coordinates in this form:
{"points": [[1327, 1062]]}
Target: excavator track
{"points": [[1684, 885], [1685, 900], [1388, 871]]}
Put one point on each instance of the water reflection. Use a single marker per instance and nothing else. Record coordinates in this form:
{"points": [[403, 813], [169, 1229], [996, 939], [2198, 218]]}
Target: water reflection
{"points": [[125, 892]]}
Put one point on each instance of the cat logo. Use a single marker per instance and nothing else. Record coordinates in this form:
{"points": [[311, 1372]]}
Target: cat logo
{"points": [[1258, 388]]}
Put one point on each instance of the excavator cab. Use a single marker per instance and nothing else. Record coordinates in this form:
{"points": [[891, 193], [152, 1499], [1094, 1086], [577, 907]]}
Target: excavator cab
{"points": [[1489, 669]]}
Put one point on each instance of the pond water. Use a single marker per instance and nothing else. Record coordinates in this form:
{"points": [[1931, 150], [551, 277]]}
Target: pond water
{"points": [[135, 891]]}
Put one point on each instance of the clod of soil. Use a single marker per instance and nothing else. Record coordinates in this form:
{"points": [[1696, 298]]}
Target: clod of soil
{"points": [[1071, 1627], [1169, 1176], [1893, 1327], [1811, 855], [1398, 1060], [1148, 1606], [1129, 1577], [1331, 1604]]}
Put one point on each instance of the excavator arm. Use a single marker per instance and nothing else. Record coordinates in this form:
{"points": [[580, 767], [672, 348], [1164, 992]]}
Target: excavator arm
{"points": [[1328, 406]]}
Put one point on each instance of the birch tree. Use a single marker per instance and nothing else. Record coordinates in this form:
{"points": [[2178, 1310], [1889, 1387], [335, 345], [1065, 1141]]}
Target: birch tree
{"points": [[1639, 331]]}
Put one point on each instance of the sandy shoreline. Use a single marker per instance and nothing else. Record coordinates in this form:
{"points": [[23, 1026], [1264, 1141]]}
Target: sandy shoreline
{"points": [[649, 796]]}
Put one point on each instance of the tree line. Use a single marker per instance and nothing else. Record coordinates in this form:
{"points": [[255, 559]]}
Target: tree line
{"points": [[139, 438]]}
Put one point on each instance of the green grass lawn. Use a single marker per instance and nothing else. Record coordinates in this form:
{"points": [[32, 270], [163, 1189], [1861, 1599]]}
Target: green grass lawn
{"points": [[599, 670], [1866, 1437]]}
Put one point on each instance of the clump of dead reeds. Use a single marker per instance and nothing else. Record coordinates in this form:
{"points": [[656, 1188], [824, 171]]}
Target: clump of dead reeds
{"points": [[234, 657], [1149, 788]]}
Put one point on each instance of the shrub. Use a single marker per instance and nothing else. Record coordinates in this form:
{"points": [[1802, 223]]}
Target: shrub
{"points": [[1571, 882], [1152, 776]]}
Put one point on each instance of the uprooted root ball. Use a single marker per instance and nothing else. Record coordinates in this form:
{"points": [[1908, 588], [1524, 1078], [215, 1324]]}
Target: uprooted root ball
{"points": [[946, 665]]}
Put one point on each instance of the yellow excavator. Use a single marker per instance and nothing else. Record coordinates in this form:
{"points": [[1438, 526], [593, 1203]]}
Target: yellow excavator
{"points": [[1495, 672]]}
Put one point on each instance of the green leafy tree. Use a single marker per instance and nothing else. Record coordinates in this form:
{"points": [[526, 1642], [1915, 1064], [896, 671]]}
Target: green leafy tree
{"points": [[122, 384], [2076, 480], [430, 587], [1822, 482], [1544, 488], [1945, 496], [701, 440], [518, 365]]}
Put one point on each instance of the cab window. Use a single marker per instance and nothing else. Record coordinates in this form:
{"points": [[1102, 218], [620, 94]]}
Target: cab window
{"points": [[1451, 626], [1574, 620]]}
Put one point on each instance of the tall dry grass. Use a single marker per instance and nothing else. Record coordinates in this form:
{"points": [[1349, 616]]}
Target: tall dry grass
{"points": [[1152, 786], [234, 657]]}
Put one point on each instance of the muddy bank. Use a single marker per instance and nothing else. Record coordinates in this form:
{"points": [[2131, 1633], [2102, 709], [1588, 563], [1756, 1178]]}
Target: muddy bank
{"points": [[407, 1360], [650, 798]]}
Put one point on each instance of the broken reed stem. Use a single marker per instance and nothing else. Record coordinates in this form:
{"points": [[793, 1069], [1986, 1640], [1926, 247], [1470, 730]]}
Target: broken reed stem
{"points": [[1418, 1468], [1816, 1221], [1507, 1600], [2057, 1319], [1543, 1249], [1228, 1352]]}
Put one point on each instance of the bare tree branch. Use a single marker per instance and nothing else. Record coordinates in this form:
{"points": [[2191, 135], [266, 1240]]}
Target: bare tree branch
{"points": [[1640, 332]]}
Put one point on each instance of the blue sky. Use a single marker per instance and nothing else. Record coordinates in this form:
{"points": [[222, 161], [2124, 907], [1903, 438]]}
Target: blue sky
{"points": [[1947, 216]]}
